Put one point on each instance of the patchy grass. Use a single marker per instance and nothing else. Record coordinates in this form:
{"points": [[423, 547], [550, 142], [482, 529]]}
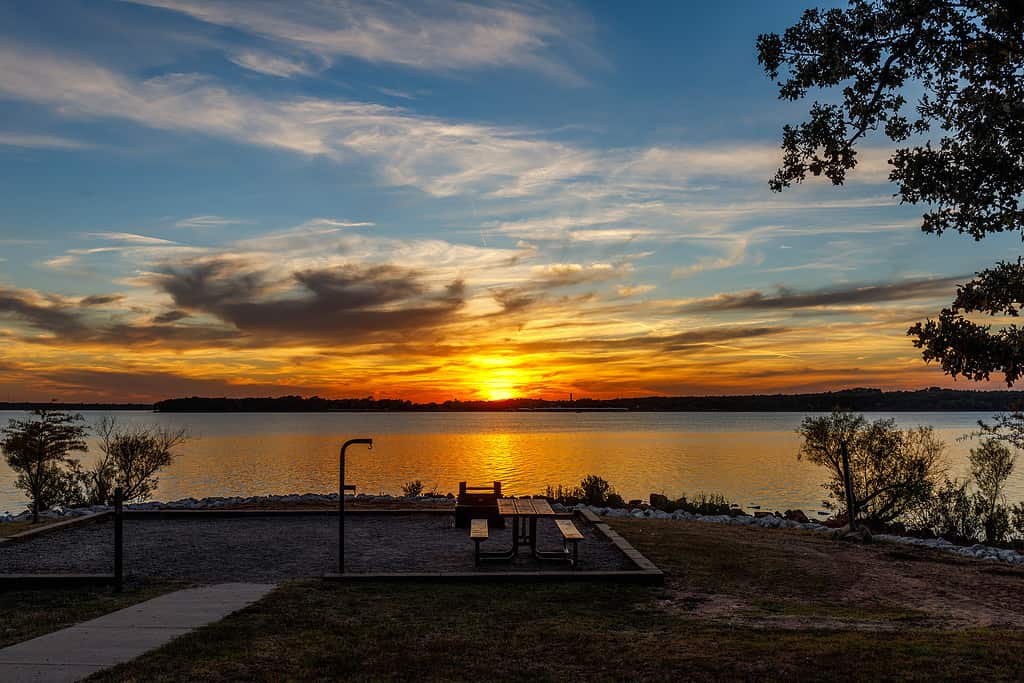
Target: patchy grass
{"points": [[313, 631], [31, 613], [738, 604]]}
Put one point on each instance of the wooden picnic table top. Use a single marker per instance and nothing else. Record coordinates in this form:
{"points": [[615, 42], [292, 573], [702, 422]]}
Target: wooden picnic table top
{"points": [[524, 507]]}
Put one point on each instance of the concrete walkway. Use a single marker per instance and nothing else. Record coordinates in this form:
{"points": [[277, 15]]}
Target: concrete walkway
{"points": [[79, 651]]}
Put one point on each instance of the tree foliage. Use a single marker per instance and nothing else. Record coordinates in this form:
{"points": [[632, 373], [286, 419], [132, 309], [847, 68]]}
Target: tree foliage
{"points": [[960, 144], [40, 451], [991, 466], [952, 513], [893, 470], [592, 490]]}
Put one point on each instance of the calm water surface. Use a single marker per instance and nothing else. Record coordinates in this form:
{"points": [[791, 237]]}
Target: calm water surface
{"points": [[749, 457]]}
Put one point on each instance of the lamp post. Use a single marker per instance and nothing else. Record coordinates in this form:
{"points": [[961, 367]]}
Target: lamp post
{"points": [[342, 487]]}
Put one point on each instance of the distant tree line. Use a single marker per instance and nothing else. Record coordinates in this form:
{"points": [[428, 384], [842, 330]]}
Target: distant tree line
{"points": [[36, 405], [861, 399]]}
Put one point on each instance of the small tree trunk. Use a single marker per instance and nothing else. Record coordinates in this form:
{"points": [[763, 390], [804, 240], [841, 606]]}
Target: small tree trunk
{"points": [[851, 505], [35, 509]]}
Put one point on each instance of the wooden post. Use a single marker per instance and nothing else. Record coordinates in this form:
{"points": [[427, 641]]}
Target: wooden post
{"points": [[497, 489], [851, 504], [118, 539]]}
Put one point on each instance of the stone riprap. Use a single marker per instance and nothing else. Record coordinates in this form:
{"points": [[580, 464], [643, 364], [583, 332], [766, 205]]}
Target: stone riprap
{"points": [[274, 548], [220, 502], [978, 551]]}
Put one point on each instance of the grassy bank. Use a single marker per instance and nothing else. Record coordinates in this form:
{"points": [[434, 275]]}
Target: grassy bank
{"points": [[738, 603]]}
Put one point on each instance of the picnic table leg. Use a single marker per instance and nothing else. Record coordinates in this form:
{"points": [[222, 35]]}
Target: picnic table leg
{"points": [[504, 555]]}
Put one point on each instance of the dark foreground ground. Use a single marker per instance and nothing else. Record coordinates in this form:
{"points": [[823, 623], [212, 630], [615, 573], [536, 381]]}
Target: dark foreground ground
{"points": [[738, 604], [269, 549]]}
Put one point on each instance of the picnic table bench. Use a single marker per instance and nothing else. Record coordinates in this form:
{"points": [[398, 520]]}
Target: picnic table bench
{"points": [[525, 513]]}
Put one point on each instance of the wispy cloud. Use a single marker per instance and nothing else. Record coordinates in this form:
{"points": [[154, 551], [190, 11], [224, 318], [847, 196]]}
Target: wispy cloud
{"points": [[207, 222], [634, 290], [269, 63], [736, 255], [911, 288], [8, 139], [128, 237], [440, 157], [432, 35]]}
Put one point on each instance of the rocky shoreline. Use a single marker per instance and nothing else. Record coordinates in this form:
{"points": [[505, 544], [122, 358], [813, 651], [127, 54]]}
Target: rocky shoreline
{"points": [[224, 502], [978, 551], [766, 521]]}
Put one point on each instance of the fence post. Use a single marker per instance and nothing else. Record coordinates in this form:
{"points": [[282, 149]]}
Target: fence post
{"points": [[851, 503], [118, 539]]}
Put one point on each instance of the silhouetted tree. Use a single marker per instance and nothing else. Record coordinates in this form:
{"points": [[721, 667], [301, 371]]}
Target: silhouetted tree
{"points": [[991, 466], [893, 470], [961, 143], [133, 455], [39, 450]]}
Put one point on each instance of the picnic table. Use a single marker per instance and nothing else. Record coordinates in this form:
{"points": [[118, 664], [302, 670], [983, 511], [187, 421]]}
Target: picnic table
{"points": [[524, 513]]}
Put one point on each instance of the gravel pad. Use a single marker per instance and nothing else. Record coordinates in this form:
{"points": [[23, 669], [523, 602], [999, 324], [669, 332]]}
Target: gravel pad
{"points": [[275, 548]]}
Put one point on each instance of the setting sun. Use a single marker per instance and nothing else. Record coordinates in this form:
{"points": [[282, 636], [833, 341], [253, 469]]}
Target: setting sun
{"points": [[498, 393]]}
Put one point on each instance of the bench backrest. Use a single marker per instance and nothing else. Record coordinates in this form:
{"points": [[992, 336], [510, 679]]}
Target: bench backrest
{"points": [[479, 495]]}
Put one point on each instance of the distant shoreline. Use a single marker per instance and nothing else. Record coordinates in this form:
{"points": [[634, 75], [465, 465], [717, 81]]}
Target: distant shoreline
{"points": [[859, 399]]}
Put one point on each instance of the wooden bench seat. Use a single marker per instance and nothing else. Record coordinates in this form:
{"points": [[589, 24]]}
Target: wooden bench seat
{"points": [[479, 532], [568, 530], [570, 534]]}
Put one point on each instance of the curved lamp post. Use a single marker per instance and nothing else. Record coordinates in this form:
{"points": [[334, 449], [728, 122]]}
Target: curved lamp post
{"points": [[341, 498]]}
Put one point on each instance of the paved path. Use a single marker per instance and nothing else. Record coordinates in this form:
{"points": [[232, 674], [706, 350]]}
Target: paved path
{"points": [[78, 651]]}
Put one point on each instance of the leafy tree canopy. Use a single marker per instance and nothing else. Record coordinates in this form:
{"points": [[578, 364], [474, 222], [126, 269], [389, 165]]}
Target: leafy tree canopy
{"points": [[40, 450], [959, 144], [893, 470]]}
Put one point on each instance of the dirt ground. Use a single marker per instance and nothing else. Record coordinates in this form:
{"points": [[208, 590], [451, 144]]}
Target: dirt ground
{"points": [[796, 579]]}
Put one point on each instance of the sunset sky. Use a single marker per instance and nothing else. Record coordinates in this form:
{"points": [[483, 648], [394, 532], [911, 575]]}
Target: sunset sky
{"points": [[435, 200]]}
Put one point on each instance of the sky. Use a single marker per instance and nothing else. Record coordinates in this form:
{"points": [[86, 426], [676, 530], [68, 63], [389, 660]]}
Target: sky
{"points": [[436, 200]]}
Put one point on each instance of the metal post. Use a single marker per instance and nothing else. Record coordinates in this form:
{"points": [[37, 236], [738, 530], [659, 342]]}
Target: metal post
{"points": [[118, 539], [851, 505], [341, 499]]}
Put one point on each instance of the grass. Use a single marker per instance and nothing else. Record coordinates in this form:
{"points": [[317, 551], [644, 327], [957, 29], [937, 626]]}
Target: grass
{"points": [[311, 631], [31, 613], [738, 604]]}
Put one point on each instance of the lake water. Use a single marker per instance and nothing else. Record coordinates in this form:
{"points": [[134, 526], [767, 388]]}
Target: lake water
{"points": [[748, 457]]}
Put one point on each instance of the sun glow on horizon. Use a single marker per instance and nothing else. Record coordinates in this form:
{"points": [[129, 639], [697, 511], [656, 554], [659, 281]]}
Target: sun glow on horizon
{"points": [[498, 378], [499, 393]]}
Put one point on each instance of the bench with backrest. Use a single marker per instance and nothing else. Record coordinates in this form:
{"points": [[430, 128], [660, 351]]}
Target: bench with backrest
{"points": [[478, 502]]}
